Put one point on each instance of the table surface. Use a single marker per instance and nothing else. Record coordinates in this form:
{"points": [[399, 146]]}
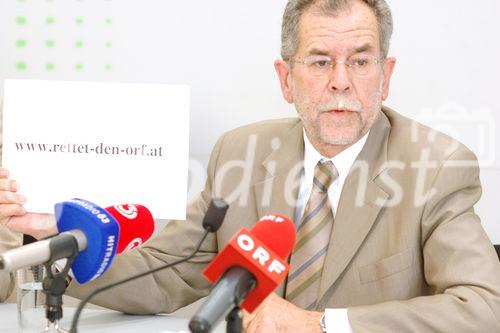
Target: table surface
{"points": [[94, 320]]}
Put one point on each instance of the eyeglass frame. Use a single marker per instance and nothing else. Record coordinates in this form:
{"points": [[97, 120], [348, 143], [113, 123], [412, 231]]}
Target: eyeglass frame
{"points": [[376, 61]]}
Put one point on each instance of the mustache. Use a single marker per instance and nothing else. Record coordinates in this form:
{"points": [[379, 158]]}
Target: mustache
{"points": [[346, 104]]}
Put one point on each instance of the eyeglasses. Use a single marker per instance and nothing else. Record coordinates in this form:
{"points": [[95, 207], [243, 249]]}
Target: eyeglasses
{"points": [[359, 65]]}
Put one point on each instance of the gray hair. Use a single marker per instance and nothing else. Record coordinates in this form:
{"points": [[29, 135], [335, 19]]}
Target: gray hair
{"points": [[295, 8]]}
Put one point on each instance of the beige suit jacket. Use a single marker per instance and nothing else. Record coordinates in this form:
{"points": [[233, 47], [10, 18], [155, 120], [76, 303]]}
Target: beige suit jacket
{"points": [[8, 240], [407, 252]]}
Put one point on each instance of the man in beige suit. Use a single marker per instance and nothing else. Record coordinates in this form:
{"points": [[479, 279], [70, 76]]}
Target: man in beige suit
{"points": [[406, 251]]}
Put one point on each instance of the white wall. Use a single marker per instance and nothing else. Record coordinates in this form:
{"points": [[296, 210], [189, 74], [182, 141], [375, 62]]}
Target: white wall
{"points": [[447, 62]]}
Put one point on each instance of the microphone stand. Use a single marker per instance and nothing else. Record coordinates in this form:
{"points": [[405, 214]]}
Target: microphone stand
{"points": [[234, 321], [84, 301], [54, 284]]}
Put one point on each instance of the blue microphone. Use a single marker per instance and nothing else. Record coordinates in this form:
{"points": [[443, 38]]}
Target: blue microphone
{"points": [[97, 233], [101, 231]]}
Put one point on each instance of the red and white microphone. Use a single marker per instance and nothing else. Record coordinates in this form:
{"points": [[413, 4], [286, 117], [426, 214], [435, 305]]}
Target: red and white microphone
{"points": [[247, 270], [136, 225]]}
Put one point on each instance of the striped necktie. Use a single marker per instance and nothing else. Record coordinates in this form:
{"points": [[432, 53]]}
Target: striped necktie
{"points": [[313, 236]]}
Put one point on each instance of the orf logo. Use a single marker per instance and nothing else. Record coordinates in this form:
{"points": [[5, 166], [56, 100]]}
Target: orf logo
{"points": [[128, 211], [260, 254]]}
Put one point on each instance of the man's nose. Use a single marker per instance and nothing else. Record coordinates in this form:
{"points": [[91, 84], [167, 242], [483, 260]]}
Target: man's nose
{"points": [[339, 78]]}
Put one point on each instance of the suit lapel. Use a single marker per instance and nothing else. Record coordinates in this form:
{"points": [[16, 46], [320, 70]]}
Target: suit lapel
{"points": [[361, 200], [278, 192]]}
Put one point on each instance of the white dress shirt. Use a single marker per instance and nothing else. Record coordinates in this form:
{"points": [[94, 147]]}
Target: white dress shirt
{"points": [[336, 319]]}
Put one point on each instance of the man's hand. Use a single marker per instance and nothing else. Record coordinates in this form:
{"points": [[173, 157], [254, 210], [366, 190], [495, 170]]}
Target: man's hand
{"points": [[277, 315], [14, 216]]}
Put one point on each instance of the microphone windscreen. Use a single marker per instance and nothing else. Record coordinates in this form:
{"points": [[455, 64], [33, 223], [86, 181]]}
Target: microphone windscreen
{"points": [[215, 215], [101, 231], [277, 232], [136, 225], [262, 252]]}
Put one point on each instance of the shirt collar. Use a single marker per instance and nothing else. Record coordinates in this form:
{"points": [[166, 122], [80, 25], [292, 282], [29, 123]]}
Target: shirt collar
{"points": [[342, 161]]}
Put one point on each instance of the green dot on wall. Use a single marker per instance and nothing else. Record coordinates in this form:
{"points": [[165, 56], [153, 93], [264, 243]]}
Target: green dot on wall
{"points": [[21, 43], [21, 20], [108, 20], [108, 44], [108, 67], [79, 67], [50, 43], [50, 20], [50, 67], [79, 20], [79, 44], [21, 66]]}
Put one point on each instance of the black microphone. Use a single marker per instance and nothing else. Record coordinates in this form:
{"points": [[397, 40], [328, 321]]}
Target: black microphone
{"points": [[211, 223]]}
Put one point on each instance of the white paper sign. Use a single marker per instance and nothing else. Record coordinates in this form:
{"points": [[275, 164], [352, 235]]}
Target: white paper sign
{"points": [[109, 143]]}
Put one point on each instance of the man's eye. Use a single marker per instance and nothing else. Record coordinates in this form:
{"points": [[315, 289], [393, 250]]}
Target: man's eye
{"points": [[321, 63], [361, 62]]}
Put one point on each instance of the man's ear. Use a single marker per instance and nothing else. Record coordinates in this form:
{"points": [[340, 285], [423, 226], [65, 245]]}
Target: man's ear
{"points": [[388, 70], [284, 71]]}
